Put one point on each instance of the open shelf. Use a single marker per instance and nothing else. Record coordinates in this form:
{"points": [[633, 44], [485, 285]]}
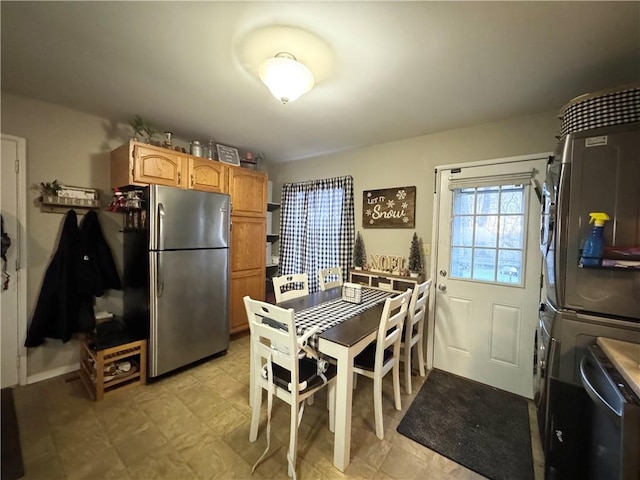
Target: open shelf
{"points": [[56, 204], [624, 265]]}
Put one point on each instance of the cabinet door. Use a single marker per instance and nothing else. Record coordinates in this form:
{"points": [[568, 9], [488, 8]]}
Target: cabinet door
{"points": [[157, 166], [247, 243], [207, 175], [248, 190], [250, 282]]}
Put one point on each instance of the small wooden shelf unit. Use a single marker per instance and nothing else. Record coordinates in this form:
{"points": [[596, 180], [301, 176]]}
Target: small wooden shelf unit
{"points": [[384, 281], [92, 365]]}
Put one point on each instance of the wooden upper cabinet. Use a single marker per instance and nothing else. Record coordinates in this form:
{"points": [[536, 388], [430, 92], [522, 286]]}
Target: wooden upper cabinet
{"points": [[157, 167], [248, 190], [206, 175], [137, 163]]}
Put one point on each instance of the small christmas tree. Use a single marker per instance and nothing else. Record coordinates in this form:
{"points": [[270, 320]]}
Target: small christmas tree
{"points": [[415, 255], [359, 254]]}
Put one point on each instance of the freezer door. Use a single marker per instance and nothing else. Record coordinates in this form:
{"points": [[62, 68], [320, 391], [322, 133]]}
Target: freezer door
{"points": [[187, 219], [189, 307]]}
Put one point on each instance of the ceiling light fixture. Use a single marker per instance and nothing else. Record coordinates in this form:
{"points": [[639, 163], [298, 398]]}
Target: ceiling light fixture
{"points": [[285, 77]]}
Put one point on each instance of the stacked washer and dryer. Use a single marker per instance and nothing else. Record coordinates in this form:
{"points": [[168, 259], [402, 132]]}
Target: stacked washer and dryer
{"points": [[595, 168]]}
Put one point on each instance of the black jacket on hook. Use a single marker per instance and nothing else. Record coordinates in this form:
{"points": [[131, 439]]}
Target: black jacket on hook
{"points": [[81, 267]]}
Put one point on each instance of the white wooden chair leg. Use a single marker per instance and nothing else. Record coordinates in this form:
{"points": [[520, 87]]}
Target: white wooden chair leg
{"points": [[293, 438], [396, 385], [255, 415], [421, 358], [331, 404], [377, 406], [407, 369]]}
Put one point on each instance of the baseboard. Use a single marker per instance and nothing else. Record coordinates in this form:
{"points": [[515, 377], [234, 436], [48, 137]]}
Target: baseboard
{"points": [[54, 372]]}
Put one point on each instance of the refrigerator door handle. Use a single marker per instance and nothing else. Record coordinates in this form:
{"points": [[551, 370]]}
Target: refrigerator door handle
{"points": [[160, 230], [159, 276]]}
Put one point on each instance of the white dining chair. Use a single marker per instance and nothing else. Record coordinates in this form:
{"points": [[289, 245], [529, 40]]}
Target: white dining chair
{"points": [[282, 367], [287, 287], [330, 277], [383, 355], [414, 330]]}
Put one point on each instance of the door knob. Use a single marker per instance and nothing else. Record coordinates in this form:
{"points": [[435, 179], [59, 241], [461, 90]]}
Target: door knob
{"points": [[442, 287]]}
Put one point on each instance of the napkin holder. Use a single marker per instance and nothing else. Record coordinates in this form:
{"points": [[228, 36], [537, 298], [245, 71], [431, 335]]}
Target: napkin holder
{"points": [[351, 292]]}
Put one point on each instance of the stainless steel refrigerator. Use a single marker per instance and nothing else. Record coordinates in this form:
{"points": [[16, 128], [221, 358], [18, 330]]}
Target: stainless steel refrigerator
{"points": [[176, 276]]}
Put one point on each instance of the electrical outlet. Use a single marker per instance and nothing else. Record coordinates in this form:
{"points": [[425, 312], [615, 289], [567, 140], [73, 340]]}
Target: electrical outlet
{"points": [[427, 249]]}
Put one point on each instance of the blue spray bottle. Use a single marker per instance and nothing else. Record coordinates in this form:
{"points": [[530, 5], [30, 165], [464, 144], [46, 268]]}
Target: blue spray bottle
{"points": [[594, 244]]}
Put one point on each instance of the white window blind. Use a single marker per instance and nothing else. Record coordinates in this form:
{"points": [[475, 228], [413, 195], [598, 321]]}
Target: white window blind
{"points": [[456, 181]]}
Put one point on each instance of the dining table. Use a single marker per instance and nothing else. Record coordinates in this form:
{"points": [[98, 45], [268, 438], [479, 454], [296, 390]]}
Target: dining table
{"points": [[346, 336]]}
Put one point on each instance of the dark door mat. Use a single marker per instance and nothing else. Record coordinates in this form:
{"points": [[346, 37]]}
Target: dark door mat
{"points": [[480, 427], [12, 467]]}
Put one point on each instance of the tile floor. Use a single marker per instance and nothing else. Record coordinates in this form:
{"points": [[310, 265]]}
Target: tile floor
{"points": [[195, 424]]}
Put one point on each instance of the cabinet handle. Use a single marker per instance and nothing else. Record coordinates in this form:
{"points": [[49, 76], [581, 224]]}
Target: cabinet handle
{"points": [[179, 178], [192, 181]]}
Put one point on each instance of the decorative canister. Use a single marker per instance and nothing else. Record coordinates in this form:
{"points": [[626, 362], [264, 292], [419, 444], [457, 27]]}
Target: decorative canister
{"points": [[196, 148], [166, 143]]}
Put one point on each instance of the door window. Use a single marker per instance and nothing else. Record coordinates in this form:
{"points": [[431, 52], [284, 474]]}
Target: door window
{"points": [[487, 234]]}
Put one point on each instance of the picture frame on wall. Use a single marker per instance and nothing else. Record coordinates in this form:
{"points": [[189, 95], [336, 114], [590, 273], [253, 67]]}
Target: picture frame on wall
{"points": [[228, 154], [389, 207]]}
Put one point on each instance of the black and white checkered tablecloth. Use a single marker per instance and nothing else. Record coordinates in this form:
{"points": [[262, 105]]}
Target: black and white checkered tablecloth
{"points": [[331, 313]]}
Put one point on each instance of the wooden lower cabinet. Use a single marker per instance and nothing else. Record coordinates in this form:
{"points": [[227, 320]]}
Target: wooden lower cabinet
{"points": [[250, 282], [248, 274]]}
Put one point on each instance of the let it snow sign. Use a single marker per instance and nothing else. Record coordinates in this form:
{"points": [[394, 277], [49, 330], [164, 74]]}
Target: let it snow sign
{"points": [[389, 208]]}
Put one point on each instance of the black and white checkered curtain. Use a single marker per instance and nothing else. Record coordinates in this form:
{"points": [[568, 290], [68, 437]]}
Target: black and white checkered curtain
{"points": [[317, 227]]}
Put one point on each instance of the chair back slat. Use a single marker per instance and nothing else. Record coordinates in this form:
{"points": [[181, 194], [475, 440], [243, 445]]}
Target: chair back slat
{"points": [[273, 333], [287, 287], [418, 305], [330, 277], [391, 323]]}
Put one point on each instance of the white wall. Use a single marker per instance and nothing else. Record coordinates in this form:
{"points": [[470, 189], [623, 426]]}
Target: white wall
{"points": [[412, 162], [73, 148]]}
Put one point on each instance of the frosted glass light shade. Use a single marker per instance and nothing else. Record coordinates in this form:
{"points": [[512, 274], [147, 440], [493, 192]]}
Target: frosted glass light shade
{"points": [[285, 77]]}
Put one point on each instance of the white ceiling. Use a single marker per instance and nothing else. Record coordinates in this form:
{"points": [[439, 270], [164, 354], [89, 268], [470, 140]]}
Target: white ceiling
{"points": [[384, 71]]}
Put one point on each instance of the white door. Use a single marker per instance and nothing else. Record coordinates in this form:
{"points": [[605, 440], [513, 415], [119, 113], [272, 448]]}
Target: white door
{"points": [[11, 291], [487, 272]]}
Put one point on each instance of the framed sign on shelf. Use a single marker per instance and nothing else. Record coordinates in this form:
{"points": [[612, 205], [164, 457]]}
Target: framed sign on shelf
{"points": [[389, 208], [228, 154]]}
